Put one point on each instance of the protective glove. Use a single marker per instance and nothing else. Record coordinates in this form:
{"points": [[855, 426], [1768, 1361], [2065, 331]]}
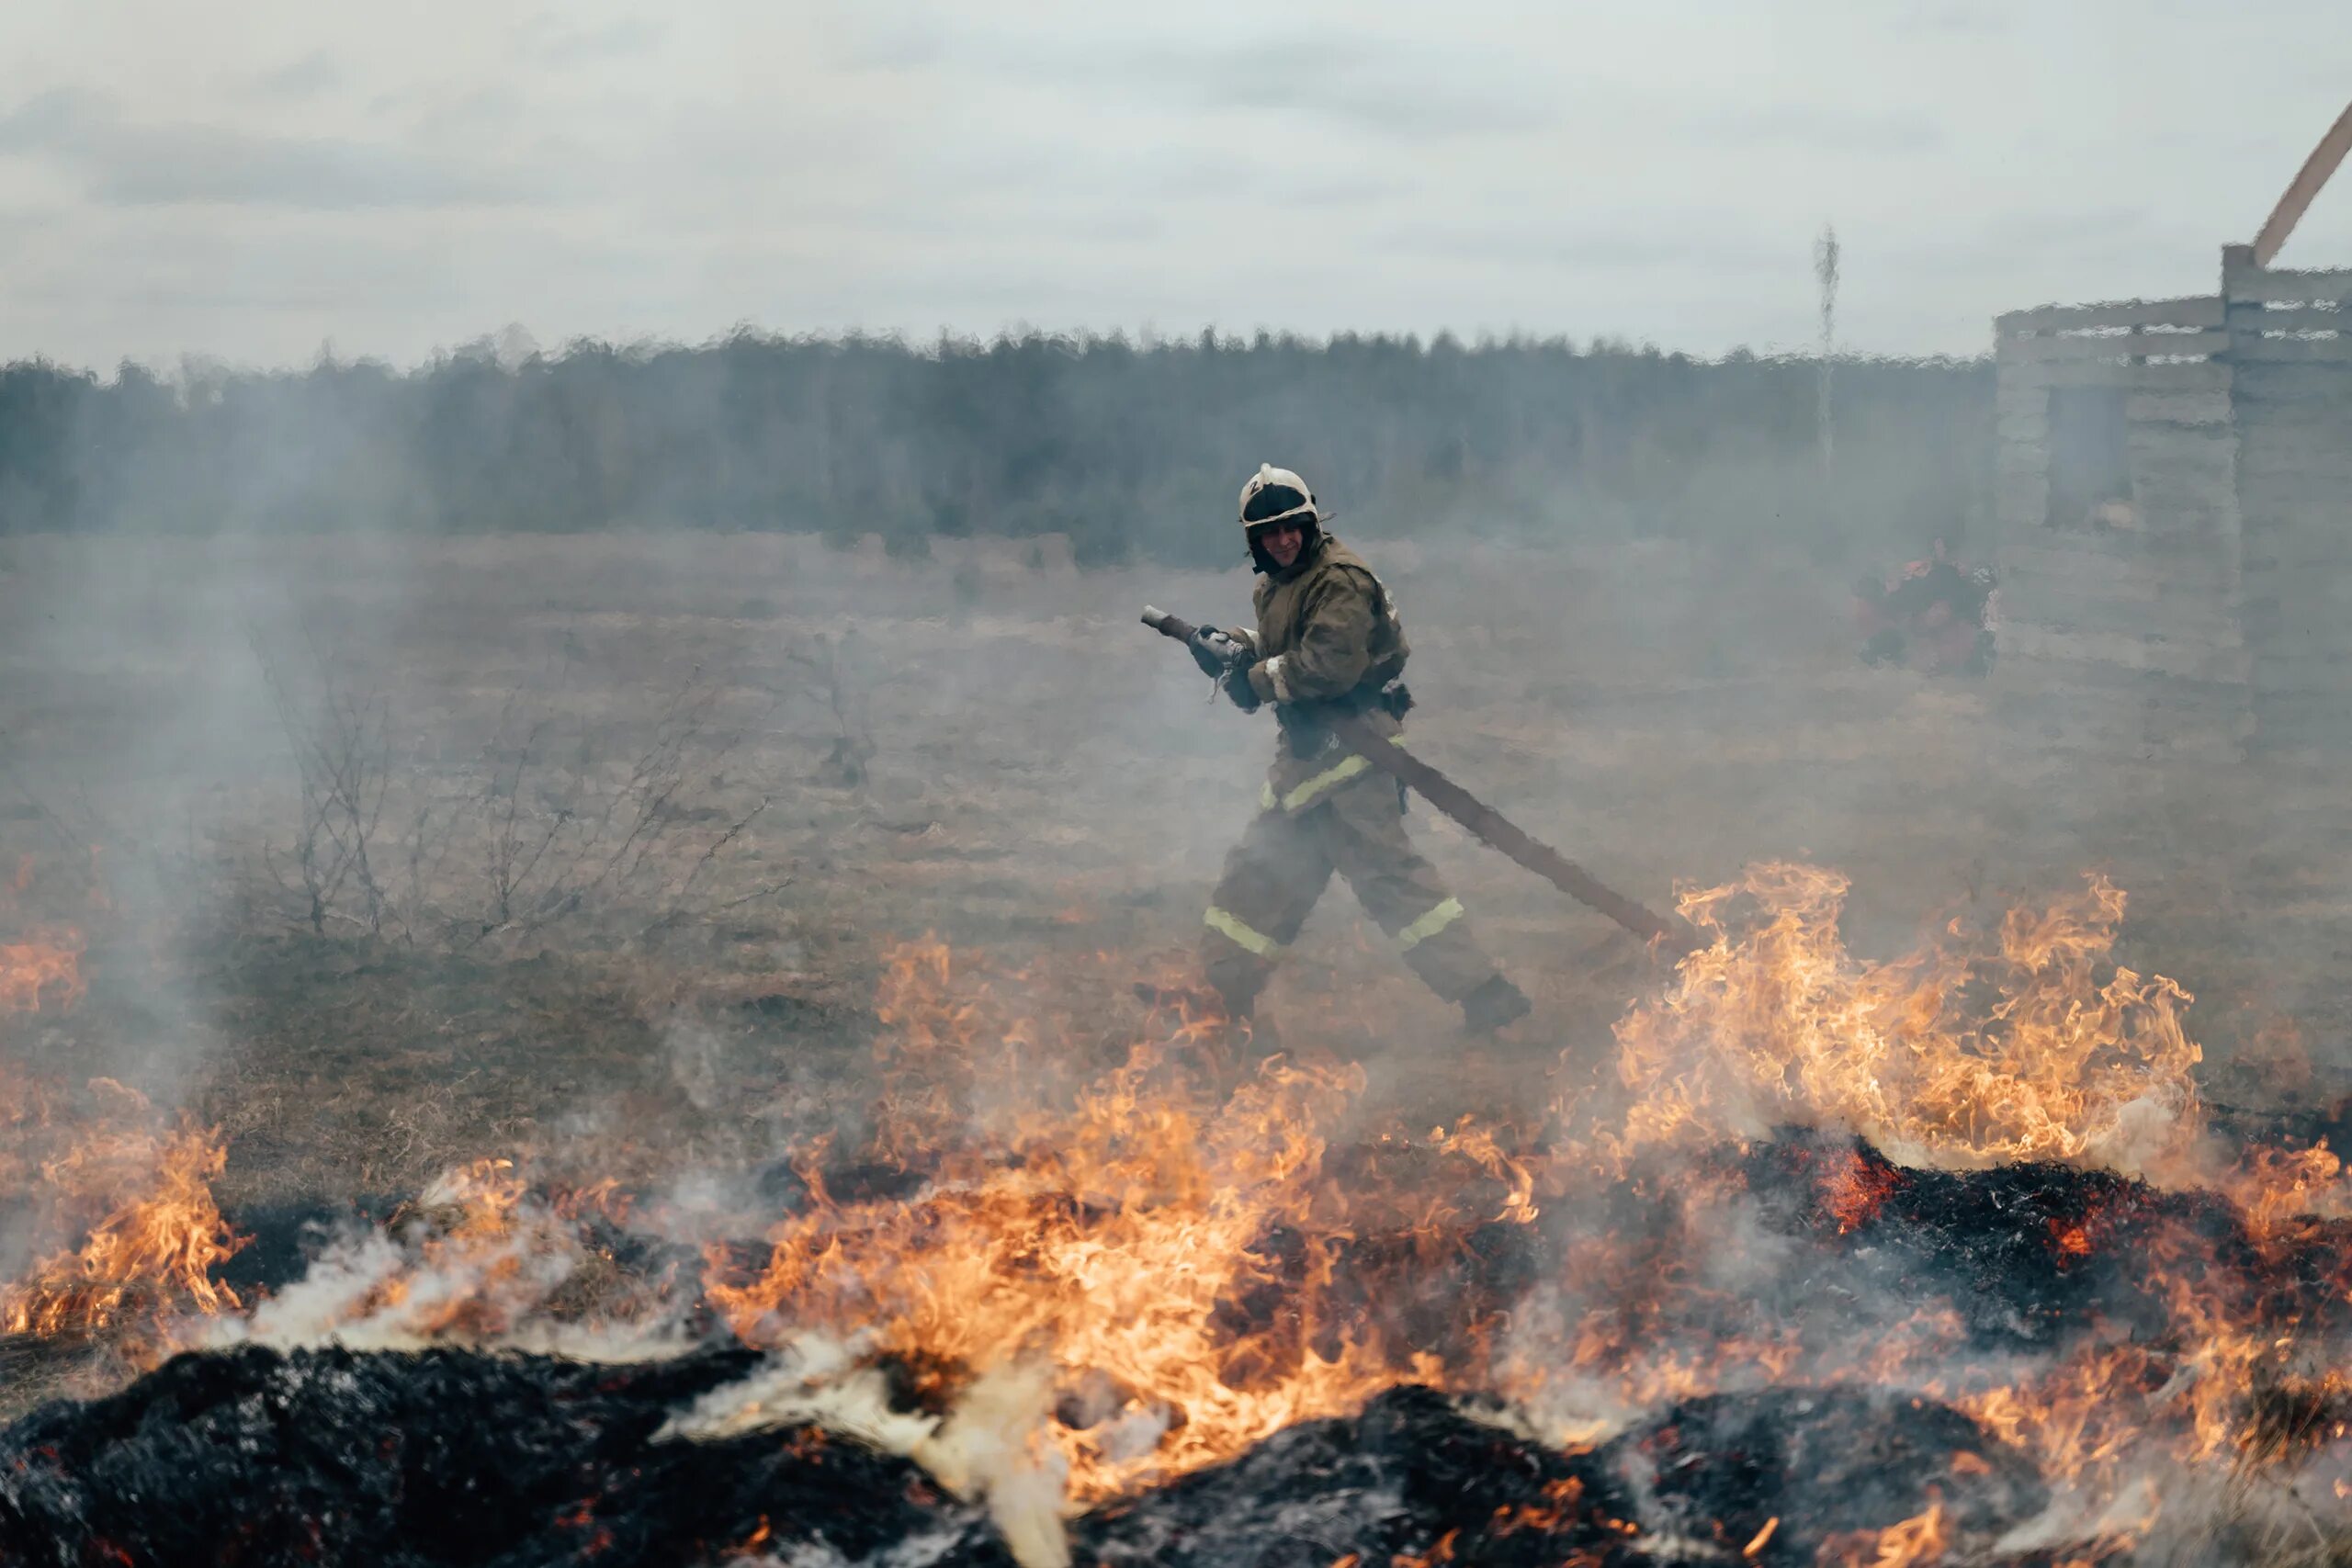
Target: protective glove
{"points": [[1237, 685], [1212, 650]]}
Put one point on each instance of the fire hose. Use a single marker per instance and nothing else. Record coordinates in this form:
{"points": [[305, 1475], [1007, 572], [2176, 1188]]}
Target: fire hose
{"points": [[1490, 826]]}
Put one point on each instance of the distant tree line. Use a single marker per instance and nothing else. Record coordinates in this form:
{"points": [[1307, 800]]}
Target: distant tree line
{"points": [[1129, 449]]}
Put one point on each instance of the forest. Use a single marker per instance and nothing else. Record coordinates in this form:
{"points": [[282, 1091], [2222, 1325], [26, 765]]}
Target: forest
{"points": [[1130, 448]]}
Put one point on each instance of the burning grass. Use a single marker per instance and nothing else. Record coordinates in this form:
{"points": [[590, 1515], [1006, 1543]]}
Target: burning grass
{"points": [[2032, 1046], [140, 1196], [116, 1211], [42, 971], [1857, 1262]]}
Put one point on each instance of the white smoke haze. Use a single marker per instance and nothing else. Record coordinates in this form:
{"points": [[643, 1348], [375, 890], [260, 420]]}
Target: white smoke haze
{"points": [[487, 774], [986, 1448]]}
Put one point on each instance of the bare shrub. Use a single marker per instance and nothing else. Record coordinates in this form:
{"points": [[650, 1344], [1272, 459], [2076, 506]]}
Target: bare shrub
{"points": [[343, 759], [833, 675], [560, 820]]}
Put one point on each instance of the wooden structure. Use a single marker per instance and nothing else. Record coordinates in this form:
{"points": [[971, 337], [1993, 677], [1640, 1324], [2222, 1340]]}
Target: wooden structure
{"points": [[2174, 491]]}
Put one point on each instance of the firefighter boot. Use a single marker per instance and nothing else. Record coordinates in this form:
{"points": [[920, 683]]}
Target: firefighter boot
{"points": [[1495, 1003]]}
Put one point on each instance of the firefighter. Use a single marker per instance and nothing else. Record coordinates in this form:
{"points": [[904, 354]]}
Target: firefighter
{"points": [[1327, 640]]}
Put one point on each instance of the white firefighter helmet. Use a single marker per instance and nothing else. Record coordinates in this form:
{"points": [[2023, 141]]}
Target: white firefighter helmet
{"points": [[1277, 495]]}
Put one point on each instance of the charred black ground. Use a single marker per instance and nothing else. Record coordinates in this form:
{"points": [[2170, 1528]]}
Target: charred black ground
{"points": [[460, 1457], [447, 1458], [442, 1457]]}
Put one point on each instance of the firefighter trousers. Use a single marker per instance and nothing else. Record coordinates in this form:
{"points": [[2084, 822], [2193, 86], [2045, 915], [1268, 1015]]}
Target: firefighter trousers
{"points": [[1275, 873]]}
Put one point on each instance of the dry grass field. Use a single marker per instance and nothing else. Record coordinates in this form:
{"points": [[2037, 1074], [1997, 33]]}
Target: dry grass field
{"points": [[642, 812]]}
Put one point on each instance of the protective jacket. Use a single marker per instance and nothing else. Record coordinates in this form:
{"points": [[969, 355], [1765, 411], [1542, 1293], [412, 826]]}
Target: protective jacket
{"points": [[1328, 638]]}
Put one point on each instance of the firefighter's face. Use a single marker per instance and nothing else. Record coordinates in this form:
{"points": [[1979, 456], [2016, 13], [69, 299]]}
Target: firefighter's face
{"points": [[1281, 542]]}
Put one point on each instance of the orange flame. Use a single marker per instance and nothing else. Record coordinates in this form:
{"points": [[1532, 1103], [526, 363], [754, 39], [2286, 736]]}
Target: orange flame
{"points": [[472, 1274], [41, 972], [1855, 1188], [1111, 1238], [1782, 1023], [1921, 1540], [1115, 1229], [155, 1240]]}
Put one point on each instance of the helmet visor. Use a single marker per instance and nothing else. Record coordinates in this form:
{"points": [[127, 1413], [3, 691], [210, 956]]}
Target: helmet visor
{"points": [[1274, 500]]}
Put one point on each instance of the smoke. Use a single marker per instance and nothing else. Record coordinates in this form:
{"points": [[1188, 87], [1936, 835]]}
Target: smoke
{"points": [[465, 839], [988, 1447]]}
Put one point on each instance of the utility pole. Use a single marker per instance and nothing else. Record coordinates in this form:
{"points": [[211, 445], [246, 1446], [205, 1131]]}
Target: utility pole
{"points": [[1824, 268]]}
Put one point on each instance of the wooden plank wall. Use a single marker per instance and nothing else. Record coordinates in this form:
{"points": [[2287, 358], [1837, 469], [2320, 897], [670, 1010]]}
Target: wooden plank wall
{"points": [[2123, 637], [2290, 338]]}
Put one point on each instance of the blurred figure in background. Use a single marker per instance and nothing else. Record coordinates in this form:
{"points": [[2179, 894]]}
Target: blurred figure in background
{"points": [[1933, 615]]}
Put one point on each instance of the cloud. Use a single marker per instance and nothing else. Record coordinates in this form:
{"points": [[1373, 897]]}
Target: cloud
{"points": [[2037, 227], [1360, 83], [125, 163], [314, 74], [1613, 242], [551, 38], [1343, 192], [1971, 18], [887, 44], [2108, 250], [611, 167], [1815, 127]]}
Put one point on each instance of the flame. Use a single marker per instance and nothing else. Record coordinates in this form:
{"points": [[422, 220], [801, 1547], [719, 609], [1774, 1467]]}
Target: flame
{"points": [[475, 1260], [41, 972], [1782, 1023], [924, 1053], [2031, 1044], [40, 964], [1855, 1188], [152, 1232], [1178, 1257], [1919, 1539], [1562, 1498], [582, 1516], [1442, 1552], [1478, 1144], [24, 1099], [1113, 1237], [2276, 1187]]}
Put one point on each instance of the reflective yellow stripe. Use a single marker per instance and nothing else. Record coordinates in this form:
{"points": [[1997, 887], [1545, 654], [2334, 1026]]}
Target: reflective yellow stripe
{"points": [[1429, 925], [1256, 941], [1339, 773], [1266, 801], [1347, 768]]}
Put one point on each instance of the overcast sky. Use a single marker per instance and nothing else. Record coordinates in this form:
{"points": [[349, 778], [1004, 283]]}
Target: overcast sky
{"points": [[251, 180]]}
